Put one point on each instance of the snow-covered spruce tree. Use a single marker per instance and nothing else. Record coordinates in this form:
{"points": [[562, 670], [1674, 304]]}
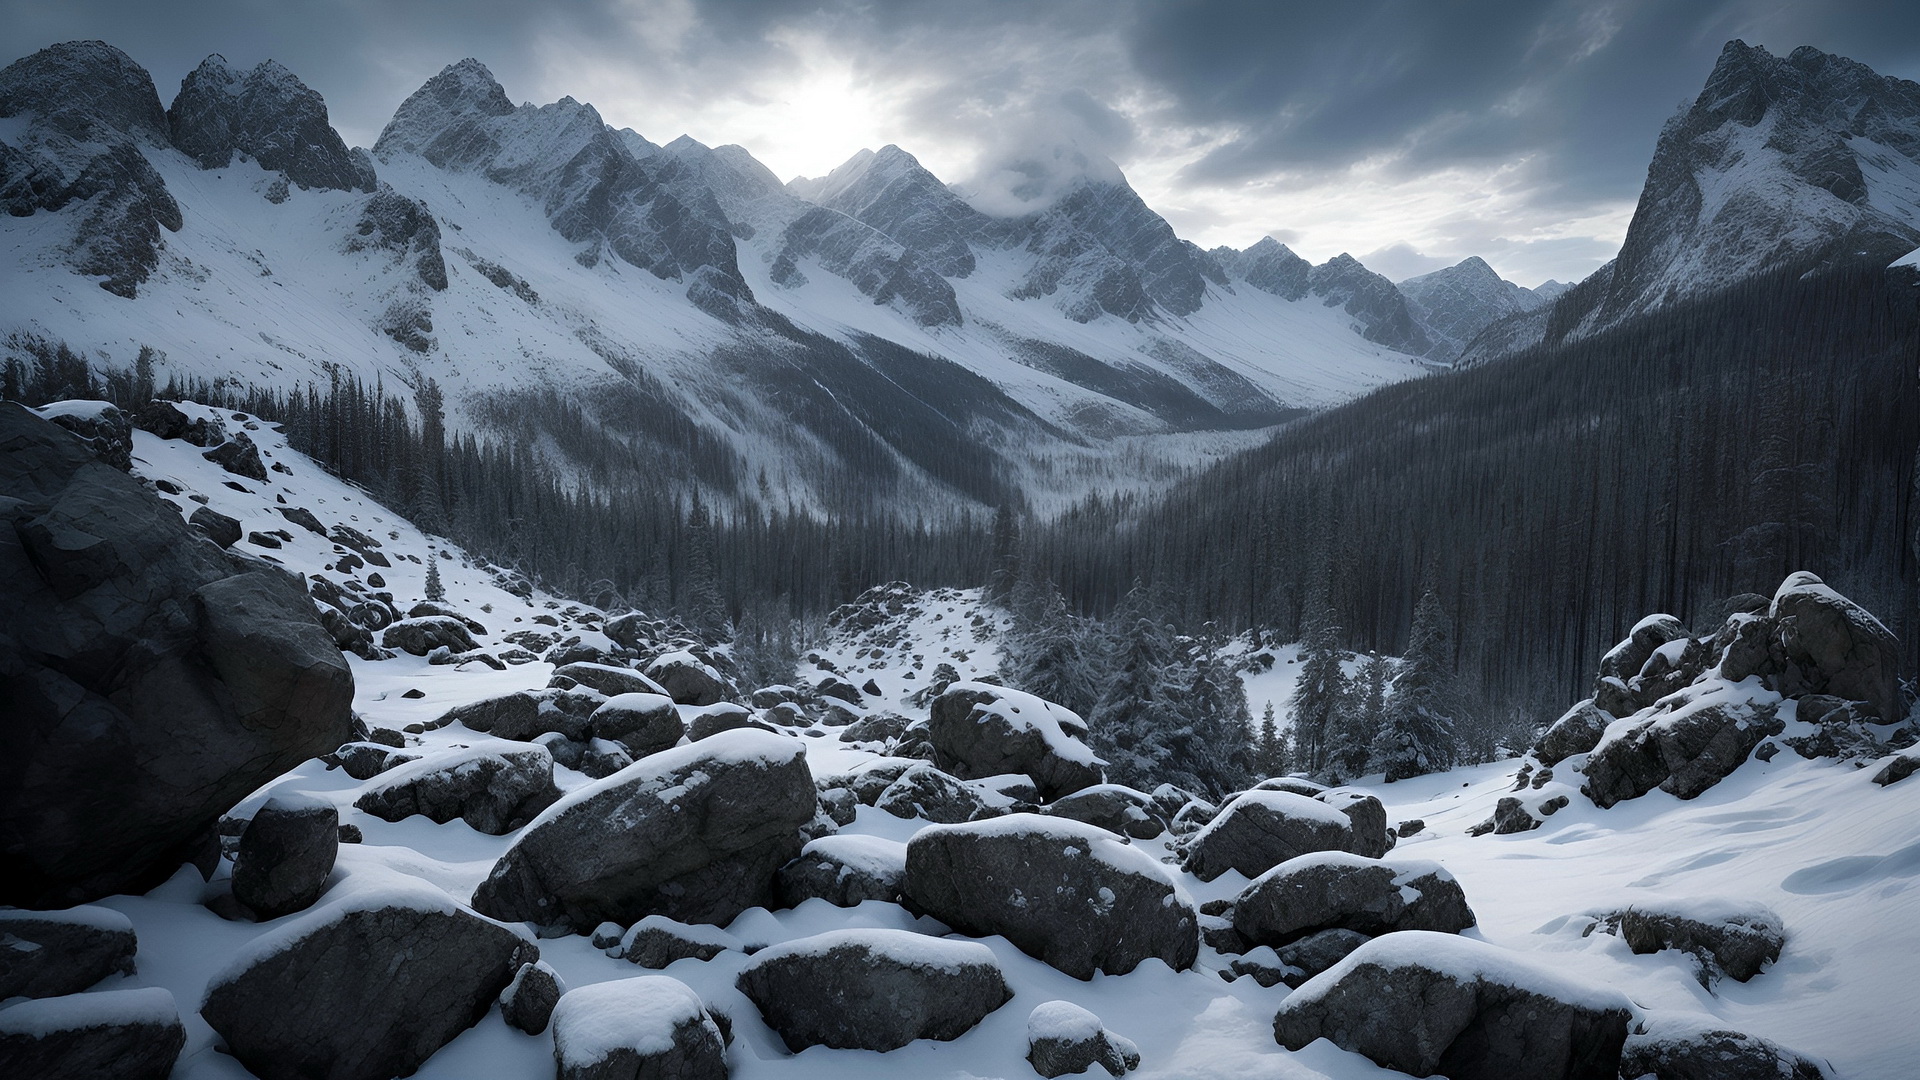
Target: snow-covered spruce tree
{"points": [[1047, 652], [1417, 725], [1006, 555], [700, 601], [436, 591], [1356, 723], [1130, 721], [1208, 751], [428, 507], [1322, 685]]}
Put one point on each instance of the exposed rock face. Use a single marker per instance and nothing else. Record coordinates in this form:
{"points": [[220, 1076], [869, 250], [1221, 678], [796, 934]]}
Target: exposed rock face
{"points": [[124, 1034], [1576, 732], [889, 190], [365, 988], [528, 1001], [405, 229], [1064, 1038], [1455, 304], [63, 952], [1426, 1004], [1827, 644], [1684, 752], [694, 833], [495, 789], [980, 730], [1724, 938], [1269, 266], [650, 1026], [1678, 1048], [104, 428], [1068, 893], [1259, 830], [1373, 302], [85, 90], [1148, 262], [844, 871], [873, 989], [643, 723], [1339, 891], [156, 679], [267, 114], [876, 265], [285, 856]]}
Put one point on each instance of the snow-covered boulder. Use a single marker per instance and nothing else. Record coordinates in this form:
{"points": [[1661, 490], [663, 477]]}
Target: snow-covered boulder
{"points": [[1309, 956], [694, 833], [1624, 661], [657, 941], [1827, 644], [606, 678], [647, 1026], [427, 633], [528, 1001], [1670, 1046], [104, 428], [1064, 1038], [643, 723], [515, 716], [123, 1034], [1071, 894], [982, 730], [1260, 829], [365, 986], [1725, 937], [844, 871], [873, 989], [153, 680], [1368, 818], [1577, 731], [689, 680], [366, 760], [285, 855], [1332, 890], [496, 788], [49, 953], [726, 716], [1115, 808], [927, 793], [1426, 1003], [1684, 751]]}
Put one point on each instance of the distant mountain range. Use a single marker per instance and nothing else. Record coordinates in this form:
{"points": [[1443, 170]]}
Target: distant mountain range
{"points": [[870, 335]]}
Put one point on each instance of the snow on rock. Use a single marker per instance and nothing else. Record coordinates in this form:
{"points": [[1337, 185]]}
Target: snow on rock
{"points": [[1261, 829], [1423, 1002], [1064, 1038], [844, 871], [1331, 890], [125, 1034], [1699, 1047], [50, 953], [528, 1002], [981, 730], [649, 1025], [494, 787], [1725, 937], [657, 941], [1071, 894], [286, 855], [873, 989], [695, 833]]}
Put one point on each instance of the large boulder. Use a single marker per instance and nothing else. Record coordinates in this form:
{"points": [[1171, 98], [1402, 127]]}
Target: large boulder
{"points": [[517, 716], [695, 833], [152, 681], [1333, 890], [528, 1001], [1830, 645], [689, 680], [1064, 1038], [427, 633], [657, 941], [49, 953], [1438, 1004], [873, 989], [649, 1027], [642, 723], [365, 986], [607, 678], [1577, 731], [1724, 937], [1115, 808], [844, 871], [1368, 818], [926, 793], [1261, 829], [1071, 894], [122, 1034], [1680, 1047], [1683, 752], [496, 788], [286, 855], [105, 429], [1624, 661], [981, 730]]}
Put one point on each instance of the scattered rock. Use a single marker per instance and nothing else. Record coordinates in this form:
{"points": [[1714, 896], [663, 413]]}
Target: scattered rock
{"points": [[1898, 768], [50, 953], [1114, 808], [286, 855], [1064, 1038], [650, 1026], [657, 942], [1315, 953], [642, 723], [1259, 830], [725, 716], [1367, 817], [426, 608], [1683, 752], [1688, 1048], [240, 457], [608, 679], [216, 526], [516, 716], [304, 518], [122, 1034], [528, 1001], [927, 793], [695, 833], [1724, 937], [492, 788], [844, 871], [981, 730], [1071, 894], [1576, 732], [873, 989], [421, 636], [1333, 890], [687, 680]]}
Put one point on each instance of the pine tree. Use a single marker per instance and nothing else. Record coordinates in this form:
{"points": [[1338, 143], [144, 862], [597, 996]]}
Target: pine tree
{"points": [[429, 506], [1417, 727], [1266, 744], [1133, 715], [1006, 555], [1357, 722], [436, 591], [702, 605], [1322, 684], [1046, 653]]}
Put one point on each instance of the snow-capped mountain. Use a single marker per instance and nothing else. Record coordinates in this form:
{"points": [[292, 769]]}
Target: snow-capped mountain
{"points": [[1455, 304], [1781, 163], [868, 325]]}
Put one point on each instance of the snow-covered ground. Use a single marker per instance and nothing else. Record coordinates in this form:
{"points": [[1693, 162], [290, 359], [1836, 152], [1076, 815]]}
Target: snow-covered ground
{"points": [[1836, 856]]}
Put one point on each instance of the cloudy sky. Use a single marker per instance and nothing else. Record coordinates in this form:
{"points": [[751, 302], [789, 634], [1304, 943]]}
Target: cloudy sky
{"points": [[1411, 133]]}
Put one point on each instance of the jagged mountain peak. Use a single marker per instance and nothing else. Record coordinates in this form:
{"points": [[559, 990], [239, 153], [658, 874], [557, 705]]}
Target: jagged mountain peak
{"points": [[85, 90], [466, 90], [267, 113]]}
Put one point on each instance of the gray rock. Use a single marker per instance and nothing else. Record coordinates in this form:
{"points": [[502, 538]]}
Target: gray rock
{"points": [[1071, 894], [927, 793], [608, 679], [1683, 753], [1730, 939], [1578, 731], [1625, 660], [429, 607], [268, 115], [873, 989], [1114, 808], [601, 758], [1898, 768], [366, 760], [980, 730], [152, 680], [49, 953], [1064, 1038], [645, 1028], [1341, 891], [496, 789], [880, 727], [364, 990], [642, 723], [286, 855], [657, 942], [844, 871], [421, 636], [1259, 830], [105, 430], [217, 526], [1367, 817], [1315, 953], [528, 1001], [515, 716], [122, 1034], [240, 457], [404, 230], [839, 805], [696, 835], [301, 516], [1831, 645], [868, 784], [1685, 1050], [1426, 1004], [688, 681], [725, 716]]}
